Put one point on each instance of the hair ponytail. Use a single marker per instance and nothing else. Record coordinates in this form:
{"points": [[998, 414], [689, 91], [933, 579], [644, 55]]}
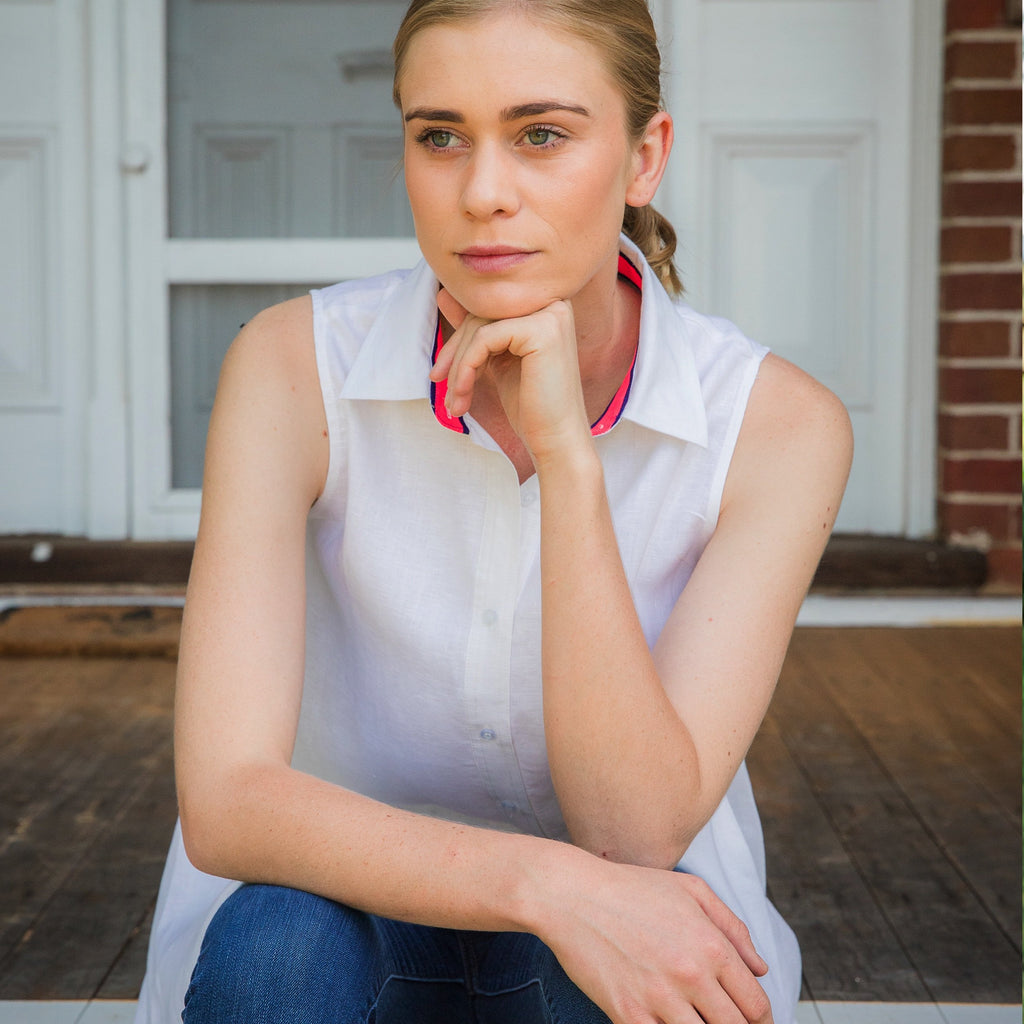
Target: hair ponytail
{"points": [[655, 237]]}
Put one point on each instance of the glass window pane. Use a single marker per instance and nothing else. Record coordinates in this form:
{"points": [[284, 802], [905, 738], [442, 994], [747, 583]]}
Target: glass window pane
{"points": [[204, 321], [280, 120]]}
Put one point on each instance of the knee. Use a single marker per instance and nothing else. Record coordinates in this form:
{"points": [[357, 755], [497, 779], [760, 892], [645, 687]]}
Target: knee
{"points": [[269, 945]]}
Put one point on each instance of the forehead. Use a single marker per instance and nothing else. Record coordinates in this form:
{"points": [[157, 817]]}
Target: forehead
{"points": [[505, 52]]}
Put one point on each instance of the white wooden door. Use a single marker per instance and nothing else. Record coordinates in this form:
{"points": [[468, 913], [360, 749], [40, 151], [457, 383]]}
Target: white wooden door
{"points": [[805, 189], [268, 161], [261, 146], [45, 303]]}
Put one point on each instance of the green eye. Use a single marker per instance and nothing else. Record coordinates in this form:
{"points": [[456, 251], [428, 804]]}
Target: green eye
{"points": [[440, 139], [539, 136]]}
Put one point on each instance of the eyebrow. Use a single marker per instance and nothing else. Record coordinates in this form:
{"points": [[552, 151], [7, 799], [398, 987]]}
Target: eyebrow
{"points": [[508, 114]]}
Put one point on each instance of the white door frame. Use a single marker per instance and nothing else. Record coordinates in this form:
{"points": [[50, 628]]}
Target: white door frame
{"points": [[106, 421]]}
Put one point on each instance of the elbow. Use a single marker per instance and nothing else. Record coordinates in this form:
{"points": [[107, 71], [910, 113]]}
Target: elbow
{"points": [[202, 839], [646, 851], [213, 817]]}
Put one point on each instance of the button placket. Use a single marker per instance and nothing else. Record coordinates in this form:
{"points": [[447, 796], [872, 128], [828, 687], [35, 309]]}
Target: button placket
{"points": [[489, 648]]}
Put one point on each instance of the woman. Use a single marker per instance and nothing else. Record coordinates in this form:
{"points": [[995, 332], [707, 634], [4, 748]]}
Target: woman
{"points": [[473, 652]]}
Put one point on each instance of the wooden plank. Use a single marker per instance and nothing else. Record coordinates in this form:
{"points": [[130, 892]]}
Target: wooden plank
{"points": [[125, 977], [78, 937], [925, 672], [111, 734], [881, 880], [937, 776], [987, 658], [850, 951], [947, 932]]}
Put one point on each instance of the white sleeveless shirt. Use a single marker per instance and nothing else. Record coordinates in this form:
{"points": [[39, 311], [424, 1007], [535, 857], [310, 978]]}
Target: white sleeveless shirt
{"points": [[423, 683]]}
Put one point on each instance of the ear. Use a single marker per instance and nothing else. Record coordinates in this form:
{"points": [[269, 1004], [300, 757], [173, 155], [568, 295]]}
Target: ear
{"points": [[650, 160]]}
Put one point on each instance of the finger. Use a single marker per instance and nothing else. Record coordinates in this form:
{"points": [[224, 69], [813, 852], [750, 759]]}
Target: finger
{"points": [[719, 1006], [721, 986], [454, 348], [484, 342], [727, 923]]}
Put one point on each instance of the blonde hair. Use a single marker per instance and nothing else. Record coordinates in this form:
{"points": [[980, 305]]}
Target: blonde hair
{"points": [[623, 31]]}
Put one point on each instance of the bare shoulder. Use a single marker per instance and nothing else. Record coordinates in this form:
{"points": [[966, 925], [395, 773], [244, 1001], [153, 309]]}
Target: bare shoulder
{"points": [[789, 405], [275, 339], [269, 409], [796, 435]]}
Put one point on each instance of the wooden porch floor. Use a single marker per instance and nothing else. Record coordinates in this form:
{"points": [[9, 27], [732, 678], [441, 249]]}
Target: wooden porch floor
{"points": [[888, 775]]}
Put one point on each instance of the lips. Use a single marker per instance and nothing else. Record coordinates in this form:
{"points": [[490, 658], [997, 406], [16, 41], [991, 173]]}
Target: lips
{"points": [[493, 259]]}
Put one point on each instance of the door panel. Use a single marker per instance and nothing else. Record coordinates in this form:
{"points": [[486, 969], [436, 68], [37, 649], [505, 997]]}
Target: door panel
{"points": [[44, 297], [280, 125], [806, 174], [281, 122]]}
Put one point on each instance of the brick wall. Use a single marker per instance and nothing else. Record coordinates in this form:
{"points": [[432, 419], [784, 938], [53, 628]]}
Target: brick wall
{"points": [[980, 289]]}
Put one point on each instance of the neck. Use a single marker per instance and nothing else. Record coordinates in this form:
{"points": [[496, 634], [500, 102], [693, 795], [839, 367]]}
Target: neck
{"points": [[607, 319]]}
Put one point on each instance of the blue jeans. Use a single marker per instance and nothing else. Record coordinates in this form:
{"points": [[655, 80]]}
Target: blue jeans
{"points": [[273, 955]]}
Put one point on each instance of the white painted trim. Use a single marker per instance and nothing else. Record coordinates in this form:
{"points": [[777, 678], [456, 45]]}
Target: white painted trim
{"points": [[284, 261], [143, 165], [817, 610], [923, 305], [106, 494], [71, 295], [822, 610], [110, 1011]]}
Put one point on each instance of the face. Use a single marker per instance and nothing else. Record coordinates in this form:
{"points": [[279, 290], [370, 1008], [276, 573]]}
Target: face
{"points": [[517, 163]]}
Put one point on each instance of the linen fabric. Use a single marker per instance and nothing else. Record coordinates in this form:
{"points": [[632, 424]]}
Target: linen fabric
{"points": [[423, 680]]}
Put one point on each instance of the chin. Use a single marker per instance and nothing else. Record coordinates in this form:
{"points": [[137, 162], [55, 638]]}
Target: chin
{"points": [[502, 301]]}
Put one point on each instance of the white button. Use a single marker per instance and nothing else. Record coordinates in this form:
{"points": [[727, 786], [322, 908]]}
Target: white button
{"points": [[509, 806], [528, 498], [488, 734], [489, 617]]}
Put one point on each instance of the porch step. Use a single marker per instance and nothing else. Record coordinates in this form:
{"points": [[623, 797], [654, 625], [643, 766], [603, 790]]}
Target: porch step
{"points": [[868, 563], [850, 563]]}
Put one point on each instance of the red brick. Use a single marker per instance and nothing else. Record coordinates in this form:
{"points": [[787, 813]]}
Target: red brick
{"points": [[968, 14], [982, 106], [978, 244], [1004, 567], [981, 199], [987, 290], [974, 433], [973, 152], [981, 59], [981, 476], [995, 521], [970, 385], [982, 339]]}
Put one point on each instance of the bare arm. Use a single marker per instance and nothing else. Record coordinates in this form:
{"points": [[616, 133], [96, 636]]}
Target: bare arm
{"points": [[643, 744], [245, 812]]}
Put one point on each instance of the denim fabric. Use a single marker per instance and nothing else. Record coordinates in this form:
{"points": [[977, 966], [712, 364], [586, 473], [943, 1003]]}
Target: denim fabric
{"points": [[273, 955]]}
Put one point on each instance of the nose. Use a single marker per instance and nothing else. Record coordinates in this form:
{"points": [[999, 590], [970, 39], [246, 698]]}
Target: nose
{"points": [[490, 188]]}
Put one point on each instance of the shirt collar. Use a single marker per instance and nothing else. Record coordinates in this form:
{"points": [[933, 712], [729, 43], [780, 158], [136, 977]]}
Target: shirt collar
{"points": [[664, 393]]}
